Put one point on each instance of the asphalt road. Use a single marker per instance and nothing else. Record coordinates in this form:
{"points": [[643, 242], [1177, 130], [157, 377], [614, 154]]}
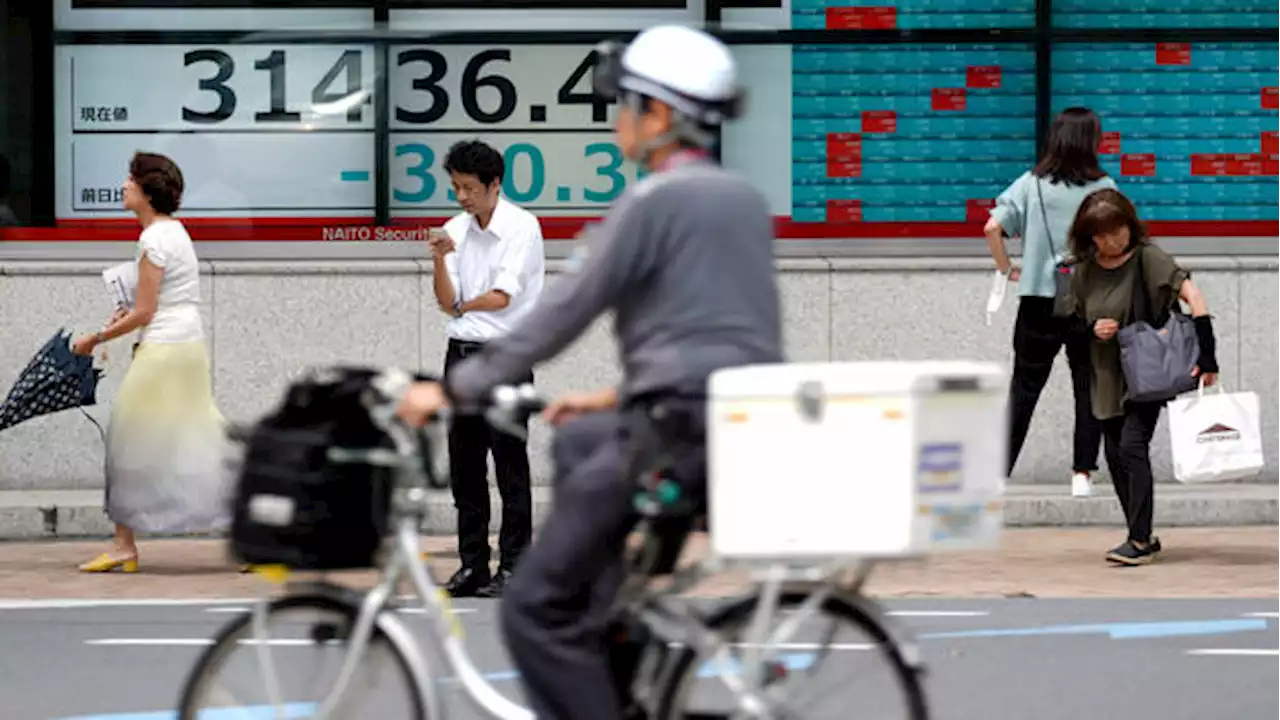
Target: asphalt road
{"points": [[987, 658]]}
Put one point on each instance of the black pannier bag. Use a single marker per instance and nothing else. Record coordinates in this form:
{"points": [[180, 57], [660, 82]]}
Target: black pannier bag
{"points": [[296, 507]]}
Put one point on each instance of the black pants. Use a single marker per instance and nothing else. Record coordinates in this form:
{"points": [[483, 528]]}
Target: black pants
{"points": [[470, 440], [556, 608], [1128, 449], [1037, 338]]}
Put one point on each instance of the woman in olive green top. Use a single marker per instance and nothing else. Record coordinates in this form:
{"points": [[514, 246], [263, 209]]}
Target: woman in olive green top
{"points": [[1106, 237]]}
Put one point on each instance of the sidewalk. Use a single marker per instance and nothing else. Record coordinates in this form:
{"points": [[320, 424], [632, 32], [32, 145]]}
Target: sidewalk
{"points": [[46, 514], [1197, 562]]}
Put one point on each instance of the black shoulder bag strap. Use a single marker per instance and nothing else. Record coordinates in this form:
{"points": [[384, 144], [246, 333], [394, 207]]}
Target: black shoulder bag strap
{"points": [[1062, 305], [1139, 303]]}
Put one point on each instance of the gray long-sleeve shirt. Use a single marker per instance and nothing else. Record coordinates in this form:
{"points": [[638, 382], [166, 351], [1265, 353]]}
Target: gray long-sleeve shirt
{"points": [[685, 259]]}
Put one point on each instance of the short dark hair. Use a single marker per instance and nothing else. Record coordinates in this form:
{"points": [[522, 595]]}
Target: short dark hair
{"points": [[472, 157], [1102, 212], [5, 179], [160, 180], [1071, 154]]}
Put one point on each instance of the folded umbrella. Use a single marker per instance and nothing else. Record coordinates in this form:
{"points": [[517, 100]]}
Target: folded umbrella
{"points": [[56, 379]]}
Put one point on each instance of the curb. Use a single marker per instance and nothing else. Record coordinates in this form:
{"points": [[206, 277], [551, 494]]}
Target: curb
{"points": [[78, 513]]}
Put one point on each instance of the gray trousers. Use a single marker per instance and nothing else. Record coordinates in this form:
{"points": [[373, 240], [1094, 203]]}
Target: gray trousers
{"points": [[556, 604]]}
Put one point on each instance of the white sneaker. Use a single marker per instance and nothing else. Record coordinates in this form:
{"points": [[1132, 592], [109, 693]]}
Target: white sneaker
{"points": [[1081, 485]]}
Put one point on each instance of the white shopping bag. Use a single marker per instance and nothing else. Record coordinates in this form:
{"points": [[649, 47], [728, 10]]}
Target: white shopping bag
{"points": [[1215, 436]]}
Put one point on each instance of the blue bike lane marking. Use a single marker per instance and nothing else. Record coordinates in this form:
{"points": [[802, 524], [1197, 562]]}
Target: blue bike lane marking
{"points": [[792, 661]]}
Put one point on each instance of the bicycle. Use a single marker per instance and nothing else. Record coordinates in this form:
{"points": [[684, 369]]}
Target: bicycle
{"points": [[663, 648]]}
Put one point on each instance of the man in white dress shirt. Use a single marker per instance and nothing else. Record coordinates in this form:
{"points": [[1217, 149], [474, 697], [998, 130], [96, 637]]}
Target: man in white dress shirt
{"points": [[488, 274]]}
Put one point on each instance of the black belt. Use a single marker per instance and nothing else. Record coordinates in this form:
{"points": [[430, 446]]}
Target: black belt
{"points": [[666, 396], [465, 348]]}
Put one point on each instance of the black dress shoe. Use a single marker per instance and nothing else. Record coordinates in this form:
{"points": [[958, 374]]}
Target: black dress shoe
{"points": [[496, 585], [467, 582]]}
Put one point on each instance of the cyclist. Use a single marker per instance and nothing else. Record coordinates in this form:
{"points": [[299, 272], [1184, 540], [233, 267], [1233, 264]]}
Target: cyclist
{"points": [[685, 262]]}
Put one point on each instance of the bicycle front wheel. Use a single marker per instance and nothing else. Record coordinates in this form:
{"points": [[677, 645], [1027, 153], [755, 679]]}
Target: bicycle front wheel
{"points": [[288, 666], [840, 662]]}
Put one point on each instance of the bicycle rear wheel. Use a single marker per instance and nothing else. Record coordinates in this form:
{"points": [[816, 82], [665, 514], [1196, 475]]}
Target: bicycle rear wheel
{"points": [[848, 664], [302, 651]]}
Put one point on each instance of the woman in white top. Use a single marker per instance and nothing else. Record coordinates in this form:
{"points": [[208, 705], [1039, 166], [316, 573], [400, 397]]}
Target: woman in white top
{"points": [[163, 468]]}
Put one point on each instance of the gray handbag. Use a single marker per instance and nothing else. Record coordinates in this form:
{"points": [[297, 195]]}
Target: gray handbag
{"points": [[1063, 304], [1157, 361]]}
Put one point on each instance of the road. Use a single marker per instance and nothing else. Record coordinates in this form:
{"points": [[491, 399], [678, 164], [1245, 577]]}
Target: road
{"points": [[987, 657]]}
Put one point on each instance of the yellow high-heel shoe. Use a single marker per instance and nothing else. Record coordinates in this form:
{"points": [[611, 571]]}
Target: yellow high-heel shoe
{"points": [[277, 574], [106, 563]]}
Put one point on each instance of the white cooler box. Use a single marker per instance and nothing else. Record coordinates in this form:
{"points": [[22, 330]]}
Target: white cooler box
{"points": [[858, 459]]}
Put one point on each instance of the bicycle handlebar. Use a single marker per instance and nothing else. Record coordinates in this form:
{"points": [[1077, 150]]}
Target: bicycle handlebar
{"points": [[507, 409], [423, 452], [511, 406]]}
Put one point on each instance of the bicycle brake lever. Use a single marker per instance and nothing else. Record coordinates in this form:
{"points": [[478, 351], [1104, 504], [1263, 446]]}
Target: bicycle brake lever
{"points": [[499, 419]]}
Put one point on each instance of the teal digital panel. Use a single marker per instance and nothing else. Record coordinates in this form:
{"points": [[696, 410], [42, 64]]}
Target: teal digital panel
{"points": [[908, 133], [1189, 129], [1179, 14], [911, 14]]}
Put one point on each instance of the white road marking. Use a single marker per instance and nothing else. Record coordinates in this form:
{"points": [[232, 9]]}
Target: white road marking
{"points": [[1243, 652], [151, 641], [812, 647], [408, 610], [794, 646], [218, 605], [305, 642], [922, 613], [423, 611], [1262, 615], [939, 613], [176, 642], [69, 604]]}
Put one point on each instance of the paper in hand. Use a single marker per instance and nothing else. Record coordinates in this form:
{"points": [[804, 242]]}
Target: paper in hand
{"points": [[122, 283], [999, 283]]}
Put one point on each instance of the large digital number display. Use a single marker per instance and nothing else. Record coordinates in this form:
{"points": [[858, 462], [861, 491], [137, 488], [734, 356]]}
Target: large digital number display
{"points": [[531, 102], [463, 87], [1190, 129], [289, 130], [221, 89], [258, 130], [841, 138], [570, 174]]}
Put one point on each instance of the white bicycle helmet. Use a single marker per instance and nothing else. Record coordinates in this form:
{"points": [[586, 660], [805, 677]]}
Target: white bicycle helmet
{"points": [[687, 69]]}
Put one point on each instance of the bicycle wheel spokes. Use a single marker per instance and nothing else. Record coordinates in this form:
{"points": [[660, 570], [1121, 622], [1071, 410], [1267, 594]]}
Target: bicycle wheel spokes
{"points": [[304, 649], [832, 666]]}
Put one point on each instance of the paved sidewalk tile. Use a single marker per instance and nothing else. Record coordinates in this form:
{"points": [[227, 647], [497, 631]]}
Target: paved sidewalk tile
{"points": [[1197, 562]]}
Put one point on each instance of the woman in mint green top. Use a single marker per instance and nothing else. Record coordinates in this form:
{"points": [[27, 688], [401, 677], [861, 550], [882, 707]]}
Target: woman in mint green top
{"points": [[1039, 207]]}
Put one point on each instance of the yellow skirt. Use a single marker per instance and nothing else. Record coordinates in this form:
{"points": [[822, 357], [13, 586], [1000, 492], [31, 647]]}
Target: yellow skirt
{"points": [[165, 441]]}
